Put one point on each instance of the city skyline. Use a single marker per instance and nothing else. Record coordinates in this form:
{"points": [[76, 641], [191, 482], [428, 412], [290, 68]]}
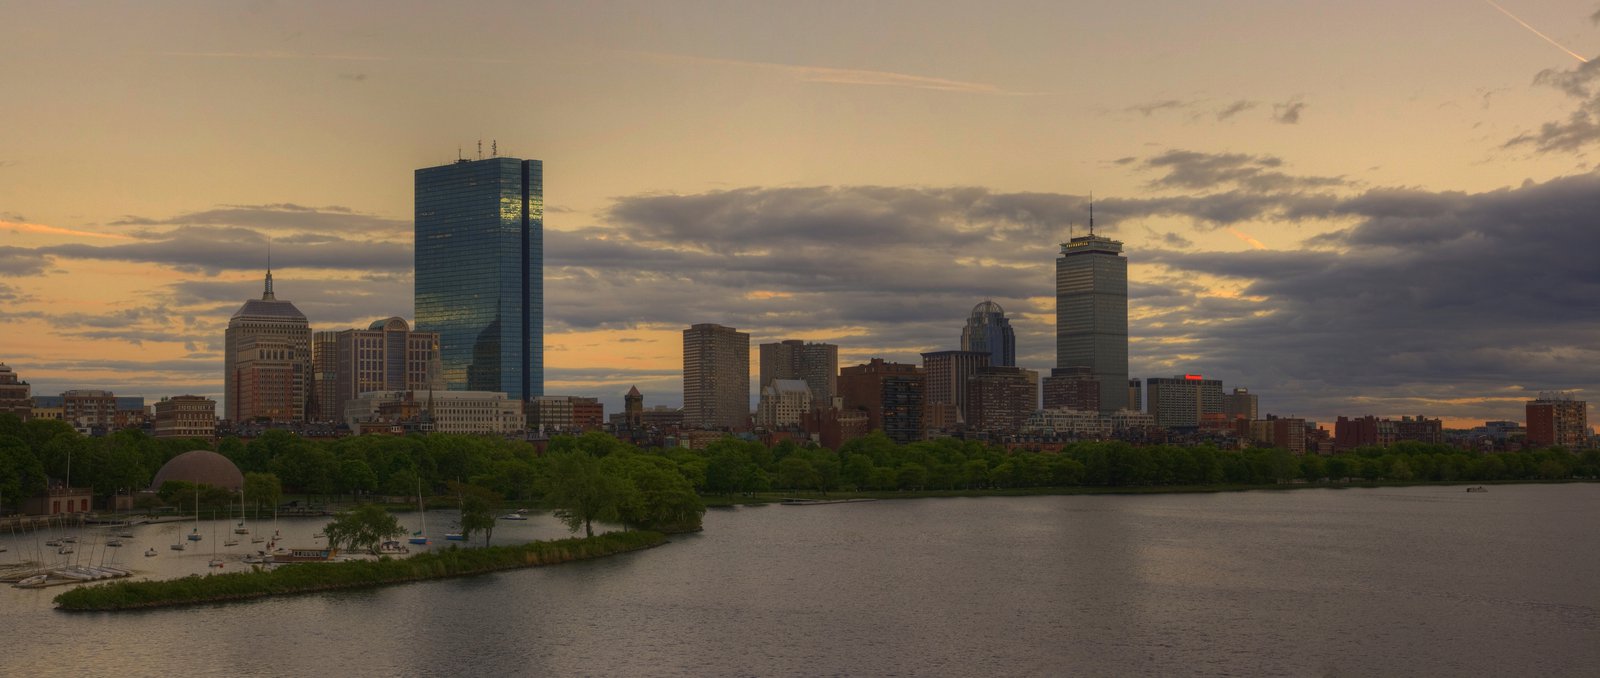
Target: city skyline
{"points": [[1378, 221]]}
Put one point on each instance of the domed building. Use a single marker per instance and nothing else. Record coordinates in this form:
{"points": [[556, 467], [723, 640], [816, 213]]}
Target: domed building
{"points": [[200, 466]]}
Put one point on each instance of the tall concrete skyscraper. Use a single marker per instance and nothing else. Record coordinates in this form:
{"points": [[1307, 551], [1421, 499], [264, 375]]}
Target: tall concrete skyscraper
{"points": [[987, 330], [480, 272], [716, 377], [815, 364], [1092, 314], [267, 361]]}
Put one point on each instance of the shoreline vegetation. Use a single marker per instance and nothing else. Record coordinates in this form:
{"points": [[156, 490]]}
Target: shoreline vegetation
{"points": [[317, 577], [764, 498]]}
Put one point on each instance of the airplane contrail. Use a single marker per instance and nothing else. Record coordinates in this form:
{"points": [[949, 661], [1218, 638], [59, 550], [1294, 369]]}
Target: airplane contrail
{"points": [[1246, 237], [1547, 38]]}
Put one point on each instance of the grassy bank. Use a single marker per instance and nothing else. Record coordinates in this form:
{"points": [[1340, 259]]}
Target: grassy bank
{"points": [[308, 577], [777, 497]]}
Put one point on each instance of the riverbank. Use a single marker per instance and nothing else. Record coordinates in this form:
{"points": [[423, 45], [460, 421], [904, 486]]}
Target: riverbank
{"points": [[314, 577], [759, 498]]}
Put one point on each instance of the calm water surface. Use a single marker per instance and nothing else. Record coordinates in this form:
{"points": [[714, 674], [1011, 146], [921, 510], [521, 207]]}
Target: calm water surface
{"points": [[1404, 581]]}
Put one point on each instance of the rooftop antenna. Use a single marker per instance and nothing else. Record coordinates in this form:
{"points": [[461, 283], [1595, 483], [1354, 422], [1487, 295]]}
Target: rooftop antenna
{"points": [[480, 149], [458, 154], [1091, 212], [266, 294], [494, 148]]}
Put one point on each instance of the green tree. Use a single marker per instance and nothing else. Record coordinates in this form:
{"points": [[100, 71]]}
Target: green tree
{"points": [[365, 527], [262, 488], [581, 491], [478, 509]]}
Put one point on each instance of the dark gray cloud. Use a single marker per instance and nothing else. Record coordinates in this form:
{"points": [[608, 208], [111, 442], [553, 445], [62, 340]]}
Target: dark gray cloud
{"points": [[214, 249], [1288, 112], [1193, 170], [12, 295], [1149, 108], [1235, 108], [281, 217], [21, 261], [1581, 128]]}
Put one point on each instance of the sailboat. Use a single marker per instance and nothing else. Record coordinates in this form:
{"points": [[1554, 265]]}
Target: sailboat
{"points": [[240, 528], [421, 536], [216, 560], [195, 534]]}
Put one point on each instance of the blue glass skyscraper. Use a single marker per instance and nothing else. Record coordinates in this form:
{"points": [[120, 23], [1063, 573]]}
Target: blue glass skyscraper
{"points": [[989, 331], [480, 272]]}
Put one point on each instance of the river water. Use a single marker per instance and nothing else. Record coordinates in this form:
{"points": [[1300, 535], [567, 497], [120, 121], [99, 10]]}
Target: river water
{"points": [[1394, 581]]}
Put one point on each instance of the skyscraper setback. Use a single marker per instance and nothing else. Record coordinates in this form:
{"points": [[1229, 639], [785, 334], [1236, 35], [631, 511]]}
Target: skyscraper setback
{"points": [[1092, 314], [480, 272]]}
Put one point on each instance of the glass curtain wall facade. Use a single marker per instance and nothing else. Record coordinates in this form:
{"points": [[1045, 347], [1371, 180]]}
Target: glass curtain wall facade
{"points": [[480, 272], [988, 330], [1092, 314]]}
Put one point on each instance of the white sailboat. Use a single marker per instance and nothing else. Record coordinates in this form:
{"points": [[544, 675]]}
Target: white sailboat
{"points": [[195, 534], [240, 528], [421, 536], [216, 560]]}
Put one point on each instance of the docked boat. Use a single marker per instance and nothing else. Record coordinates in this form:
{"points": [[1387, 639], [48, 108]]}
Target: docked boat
{"points": [[257, 559], [53, 542], [65, 550], [125, 535], [114, 543], [150, 553], [304, 555], [35, 582], [455, 536]]}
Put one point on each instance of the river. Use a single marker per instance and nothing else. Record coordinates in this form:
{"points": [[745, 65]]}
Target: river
{"points": [[1393, 581]]}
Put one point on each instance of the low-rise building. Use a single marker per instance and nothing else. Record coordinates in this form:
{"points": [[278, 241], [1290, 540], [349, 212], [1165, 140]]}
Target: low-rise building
{"points": [[186, 416], [783, 403], [485, 412]]}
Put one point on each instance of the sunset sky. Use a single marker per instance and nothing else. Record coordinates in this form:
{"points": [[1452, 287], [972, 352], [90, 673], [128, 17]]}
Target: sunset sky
{"points": [[1356, 207]]}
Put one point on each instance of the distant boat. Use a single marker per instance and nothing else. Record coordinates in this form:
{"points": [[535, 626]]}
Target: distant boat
{"points": [[64, 550], [391, 548], [35, 582], [114, 543], [455, 536], [195, 534], [1479, 488], [125, 535], [513, 516], [151, 553], [311, 555], [420, 536]]}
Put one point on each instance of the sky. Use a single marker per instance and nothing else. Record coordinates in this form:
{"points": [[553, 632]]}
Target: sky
{"points": [[1349, 208]]}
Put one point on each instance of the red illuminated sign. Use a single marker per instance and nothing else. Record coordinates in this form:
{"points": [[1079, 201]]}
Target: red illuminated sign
{"points": [[1193, 377]]}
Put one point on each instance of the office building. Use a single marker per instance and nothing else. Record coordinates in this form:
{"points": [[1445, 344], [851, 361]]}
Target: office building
{"points": [[1368, 431], [989, 331], [816, 364], [1184, 400], [1001, 399], [948, 374], [1284, 433], [15, 395], [1241, 404], [387, 356], [267, 358], [716, 378], [480, 273], [1072, 388], [1092, 314], [442, 411], [783, 403], [891, 395], [1136, 395], [1557, 419], [565, 414], [1419, 429], [186, 416], [89, 409]]}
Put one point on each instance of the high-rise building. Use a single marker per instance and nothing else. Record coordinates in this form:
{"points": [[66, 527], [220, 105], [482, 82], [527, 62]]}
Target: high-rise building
{"points": [[15, 395], [1556, 419], [565, 414], [1184, 400], [1280, 432], [1135, 395], [988, 331], [186, 416], [267, 358], [1002, 398], [1092, 314], [1072, 388], [480, 272], [716, 377], [891, 394], [948, 374], [387, 356], [89, 409], [1241, 404], [1368, 431], [325, 405], [816, 364]]}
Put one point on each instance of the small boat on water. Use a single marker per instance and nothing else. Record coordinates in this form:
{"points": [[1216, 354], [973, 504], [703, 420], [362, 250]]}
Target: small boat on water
{"points": [[231, 542], [513, 516], [125, 535], [216, 562], [64, 550], [455, 536], [114, 543], [1479, 488], [304, 555], [150, 553], [35, 582], [179, 546], [53, 542], [70, 540]]}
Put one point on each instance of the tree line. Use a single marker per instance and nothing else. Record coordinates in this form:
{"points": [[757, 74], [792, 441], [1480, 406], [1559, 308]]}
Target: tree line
{"points": [[596, 477]]}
